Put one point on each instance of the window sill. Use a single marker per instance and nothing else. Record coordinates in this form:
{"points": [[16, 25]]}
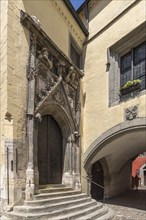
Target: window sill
{"points": [[128, 97], [133, 88]]}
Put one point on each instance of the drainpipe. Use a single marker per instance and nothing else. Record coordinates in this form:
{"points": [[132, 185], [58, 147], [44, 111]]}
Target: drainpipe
{"points": [[8, 197]]}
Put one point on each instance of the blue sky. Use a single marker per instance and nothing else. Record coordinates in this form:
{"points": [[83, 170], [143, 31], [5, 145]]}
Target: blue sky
{"points": [[76, 3]]}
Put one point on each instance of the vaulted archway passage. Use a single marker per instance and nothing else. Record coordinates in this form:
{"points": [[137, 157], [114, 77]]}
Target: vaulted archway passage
{"points": [[49, 151]]}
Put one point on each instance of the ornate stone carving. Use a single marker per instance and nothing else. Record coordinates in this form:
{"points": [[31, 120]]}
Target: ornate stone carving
{"points": [[72, 78], [8, 116], [33, 39], [43, 57], [51, 78], [36, 20], [32, 73], [38, 117], [76, 135], [61, 70], [32, 64], [59, 97], [46, 80], [131, 113]]}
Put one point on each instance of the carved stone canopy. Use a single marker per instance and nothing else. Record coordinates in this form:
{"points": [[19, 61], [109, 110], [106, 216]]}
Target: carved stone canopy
{"points": [[44, 41], [55, 76]]}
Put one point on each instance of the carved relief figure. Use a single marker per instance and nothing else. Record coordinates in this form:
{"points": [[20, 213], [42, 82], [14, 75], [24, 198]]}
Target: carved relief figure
{"points": [[43, 56], [72, 78]]}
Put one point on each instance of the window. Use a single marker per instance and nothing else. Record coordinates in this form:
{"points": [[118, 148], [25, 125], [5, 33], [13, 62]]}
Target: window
{"points": [[127, 59], [133, 66], [75, 54]]}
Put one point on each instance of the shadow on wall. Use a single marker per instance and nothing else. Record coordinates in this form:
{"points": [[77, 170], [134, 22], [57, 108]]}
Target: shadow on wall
{"points": [[99, 8]]}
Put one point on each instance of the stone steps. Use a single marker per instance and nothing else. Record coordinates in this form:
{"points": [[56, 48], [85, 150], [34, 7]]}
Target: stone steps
{"points": [[73, 212], [84, 214], [55, 189], [52, 195], [55, 200], [51, 207], [61, 203]]}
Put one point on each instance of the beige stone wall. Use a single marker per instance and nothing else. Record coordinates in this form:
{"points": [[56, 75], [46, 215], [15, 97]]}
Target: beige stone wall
{"points": [[56, 21], [98, 116], [14, 55], [3, 72], [58, 24]]}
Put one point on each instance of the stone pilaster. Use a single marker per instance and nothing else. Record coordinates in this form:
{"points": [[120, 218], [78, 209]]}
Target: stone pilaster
{"points": [[76, 161], [71, 174], [38, 120], [30, 184]]}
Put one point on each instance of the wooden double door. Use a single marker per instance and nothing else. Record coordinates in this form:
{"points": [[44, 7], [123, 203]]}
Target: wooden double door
{"points": [[49, 151]]}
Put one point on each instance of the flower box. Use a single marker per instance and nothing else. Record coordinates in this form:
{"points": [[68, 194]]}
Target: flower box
{"points": [[130, 89]]}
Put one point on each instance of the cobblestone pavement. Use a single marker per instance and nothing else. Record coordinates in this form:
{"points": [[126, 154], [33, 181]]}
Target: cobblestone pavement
{"points": [[130, 205]]}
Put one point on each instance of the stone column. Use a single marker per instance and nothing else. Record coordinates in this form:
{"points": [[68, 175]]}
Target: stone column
{"points": [[30, 185], [76, 161], [76, 135], [77, 167], [37, 120]]}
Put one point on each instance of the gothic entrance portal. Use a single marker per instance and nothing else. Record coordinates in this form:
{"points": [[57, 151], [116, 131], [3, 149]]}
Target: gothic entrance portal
{"points": [[49, 151]]}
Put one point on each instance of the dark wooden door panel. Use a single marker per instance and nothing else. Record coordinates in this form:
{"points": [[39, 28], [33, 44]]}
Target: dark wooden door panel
{"points": [[42, 151], [55, 151], [97, 177], [49, 151]]}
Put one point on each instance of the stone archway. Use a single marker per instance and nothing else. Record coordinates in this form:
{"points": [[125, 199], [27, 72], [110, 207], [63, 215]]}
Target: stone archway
{"points": [[70, 172], [117, 147]]}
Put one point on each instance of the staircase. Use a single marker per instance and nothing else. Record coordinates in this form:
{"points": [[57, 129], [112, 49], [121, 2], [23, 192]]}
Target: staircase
{"points": [[60, 203]]}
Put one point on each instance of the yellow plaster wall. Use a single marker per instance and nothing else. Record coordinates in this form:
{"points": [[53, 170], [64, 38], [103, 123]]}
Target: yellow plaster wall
{"points": [[98, 117], [56, 21]]}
